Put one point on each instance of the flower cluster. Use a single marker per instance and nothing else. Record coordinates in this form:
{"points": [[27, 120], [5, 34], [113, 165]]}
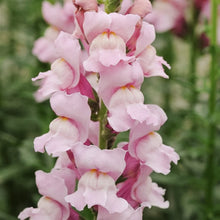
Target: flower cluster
{"points": [[98, 64], [174, 15]]}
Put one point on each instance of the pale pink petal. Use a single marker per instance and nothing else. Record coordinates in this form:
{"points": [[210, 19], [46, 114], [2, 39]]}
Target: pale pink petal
{"points": [[58, 16], [95, 24], [45, 50], [68, 47], [146, 37], [141, 8], [26, 213], [148, 193], [123, 25], [127, 214], [122, 75], [74, 106], [106, 161]]}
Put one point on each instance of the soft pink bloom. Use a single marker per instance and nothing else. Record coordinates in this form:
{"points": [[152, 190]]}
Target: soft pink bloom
{"points": [[120, 76], [152, 65], [99, 169], [86, 5], [165, 14], [140, 46], [127, 214], [53, 186], [119, 118], [147, 193], [61, 17], [127, 115], [140, 7], [107, 35], [44, 47], [70, 127], [151, 152], [66, 72]]}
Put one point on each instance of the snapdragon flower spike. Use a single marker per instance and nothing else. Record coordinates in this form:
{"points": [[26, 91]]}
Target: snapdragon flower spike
{"points": [[53, 186], [70, 127], [107, 35], [99, 169]]}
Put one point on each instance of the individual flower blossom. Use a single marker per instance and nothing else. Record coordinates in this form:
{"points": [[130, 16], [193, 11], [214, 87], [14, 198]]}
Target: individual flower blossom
{"points": [[116, 77], [60, 19], [44, 47], [150, 150], [147, 193], [138, 7], [53, 186], [107, 36], [166, 14], [70, 127], [99, 169], [86, 5], [66, 72], [145, 54]]}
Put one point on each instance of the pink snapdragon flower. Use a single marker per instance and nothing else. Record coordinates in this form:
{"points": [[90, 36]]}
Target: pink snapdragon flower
{"points": [[138, 7], [70, 127], [53, 186], [99, 169], [66, 72], [150, 150], [60, 19], [166, 14], [107, 36], [44, 47]]}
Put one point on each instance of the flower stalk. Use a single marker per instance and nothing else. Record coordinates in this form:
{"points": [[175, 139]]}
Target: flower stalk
{"points": [[210, 163]]}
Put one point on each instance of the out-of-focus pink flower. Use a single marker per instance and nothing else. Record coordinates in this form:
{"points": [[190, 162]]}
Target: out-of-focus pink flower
{"points": [[61, 17], [138, 7], [53, 186], [86, 5], [70, 127], [99, 169], [165, 14], [44, 47]]}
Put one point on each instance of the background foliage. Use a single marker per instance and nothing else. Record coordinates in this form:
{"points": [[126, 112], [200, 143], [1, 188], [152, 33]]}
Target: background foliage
{"points": [[22, 119]]}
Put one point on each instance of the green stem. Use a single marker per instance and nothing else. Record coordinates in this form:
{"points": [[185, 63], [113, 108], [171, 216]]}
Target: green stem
{"points": [[103, 142], [193, 58], [210, 163]]}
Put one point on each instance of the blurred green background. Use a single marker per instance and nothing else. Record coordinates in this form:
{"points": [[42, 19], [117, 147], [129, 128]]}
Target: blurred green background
{"points": [[22, 119]]}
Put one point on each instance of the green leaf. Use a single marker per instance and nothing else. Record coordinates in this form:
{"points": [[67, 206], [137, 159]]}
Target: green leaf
{"points": [[112, 5]]}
